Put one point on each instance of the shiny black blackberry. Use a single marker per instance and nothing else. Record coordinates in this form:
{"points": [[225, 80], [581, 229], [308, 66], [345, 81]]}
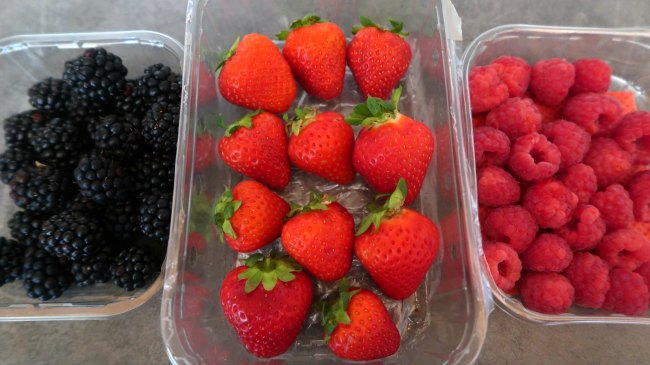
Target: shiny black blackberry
{"points": [[155, 214], [11, 260], [45, 276], [57, 142], [94, 268], [117, 136], [96, 75], [101, 179], [85, 206], [160, 126], [160, 84], [121, 220], [13, 160], [72, 235], [81, 110], [132, 268], [152, 171], [131, 101], [40, 189], [49, 95], [18, 126], [25, 227]]}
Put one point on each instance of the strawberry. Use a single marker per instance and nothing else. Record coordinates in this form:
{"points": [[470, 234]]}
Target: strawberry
{"points": [[320, 237], [358, 326], [400, 249], [254, 75], [322, 144], [256, 146], [378, 57], [390, 146], [249, 216], [267, 318], [315, 50], [205, 155]]}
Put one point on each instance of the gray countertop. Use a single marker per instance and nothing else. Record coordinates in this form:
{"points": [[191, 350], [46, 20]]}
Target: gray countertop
{"points": [[135, 338]]}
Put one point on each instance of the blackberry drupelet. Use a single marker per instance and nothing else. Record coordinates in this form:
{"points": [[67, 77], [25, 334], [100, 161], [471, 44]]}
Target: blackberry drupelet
{"points": [[96, 75], [94, 268], [18, 126], [160, 126], [45, 276], [72, 235], [40, 189], [11, 260], [132, 268], [131, 101], [80, 110], [152, 171], [101, 179], [57, 142], [25, 227], [13, 160], [155, 214], [121, 220], [49, 95], [85, 206], [160, 83], [117, 136]]}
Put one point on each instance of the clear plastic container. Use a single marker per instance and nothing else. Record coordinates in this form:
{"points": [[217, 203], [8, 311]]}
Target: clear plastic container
{"points": [[446, 320], [626, 50], [24, 60]]}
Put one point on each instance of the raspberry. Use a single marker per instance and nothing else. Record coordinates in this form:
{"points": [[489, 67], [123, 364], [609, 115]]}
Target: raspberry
{"points": [[644, 271], [551, 79], [624, 248], [491, 147], [534, 157], [551, 203], [515, 73], [515, 117], [615, 206], [633, 171], [584, 230], [589, 275], [572, 141], [496, 187], [626, 99], [642, 227], [610, 162], [547, 253], [549, 113], [639, 190], [633, 134], [486, 90], [513, 225], [581, 179], [478, 120], [592, 76], [596, 113], [504, 264], [628, 293], [546, 292]]}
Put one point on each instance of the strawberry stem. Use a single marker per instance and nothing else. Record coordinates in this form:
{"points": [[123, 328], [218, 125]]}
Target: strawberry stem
{"points": [[397, 26], [392, 206], [335, 311], [307, 20], [267, 271], [246, 122], [227, 54], [375, 111], [317, 201], [302, 119], [223, 212]]}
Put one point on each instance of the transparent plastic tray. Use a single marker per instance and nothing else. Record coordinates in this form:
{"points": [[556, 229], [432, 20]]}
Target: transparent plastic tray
{"points": [[24, 60], [626, 50], [446, 320]]}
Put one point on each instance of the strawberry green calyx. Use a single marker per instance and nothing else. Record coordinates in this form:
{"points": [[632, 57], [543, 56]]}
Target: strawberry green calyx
{"points": [[246, 122], [397, 26], [317, 201], [335, 312], [391, 207], [227, 54], [268, 270], [304, 116], [375, 111], [307, 20], [223, 212]]}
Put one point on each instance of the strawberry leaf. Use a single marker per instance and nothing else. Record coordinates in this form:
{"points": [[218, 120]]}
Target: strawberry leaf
{"points": [[335, 311], [304, 117], [397, 26], [307, 20], [223, 212], [246, 122], [267, 271], [391, 207], [317, 201], [228, 54], [374, 111]]}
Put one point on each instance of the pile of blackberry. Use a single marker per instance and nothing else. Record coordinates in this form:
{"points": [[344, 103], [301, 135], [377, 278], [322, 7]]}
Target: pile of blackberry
{"points": [[91, 168]]}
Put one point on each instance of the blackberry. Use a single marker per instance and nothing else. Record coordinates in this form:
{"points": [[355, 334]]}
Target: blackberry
{"points": [[25, 227], [56, 142], [160, 126], [72, 235], [94, 268], [18, 126], [13, 160], [96, 75], [85, 206], [49, 95], [153, 172], [45, 276], [80, 110], [121, 220], [132, 268], [117, 136], [131, 101], [155, 214], [101, 179], [40, 189], [160, 84], [11, 260]]}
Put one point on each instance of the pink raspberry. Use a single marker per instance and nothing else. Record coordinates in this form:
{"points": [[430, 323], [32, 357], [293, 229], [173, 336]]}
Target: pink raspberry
{"points": [[515, 117], [496, 187], [644, 271], [514, 72], [513, 225], [572, 141], [592, 76], [551, 80], [596, 113], [491, 147], [639, 189], [546, 292], [610, 162], [615, 206], [486, 90], [504, 264], [582, 180], [589, 275], [624, 248], [547, 253], [628, 293], [585, 229], [551, 203], [534, 157], [633, 134]]}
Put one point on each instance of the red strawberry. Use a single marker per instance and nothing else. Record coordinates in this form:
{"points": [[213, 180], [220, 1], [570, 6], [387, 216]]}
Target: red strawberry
{"points": [[322, 144], [400, 249], [315, 50], [256, 146], [320, 237], [256, 76], [204, 151], [267, 318], [358, 326], [378, 57], [249, 216], [390, 146]]}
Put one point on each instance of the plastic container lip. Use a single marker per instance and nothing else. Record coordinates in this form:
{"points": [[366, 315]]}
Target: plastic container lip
{"points": [[72, 311], [510, 305]]}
